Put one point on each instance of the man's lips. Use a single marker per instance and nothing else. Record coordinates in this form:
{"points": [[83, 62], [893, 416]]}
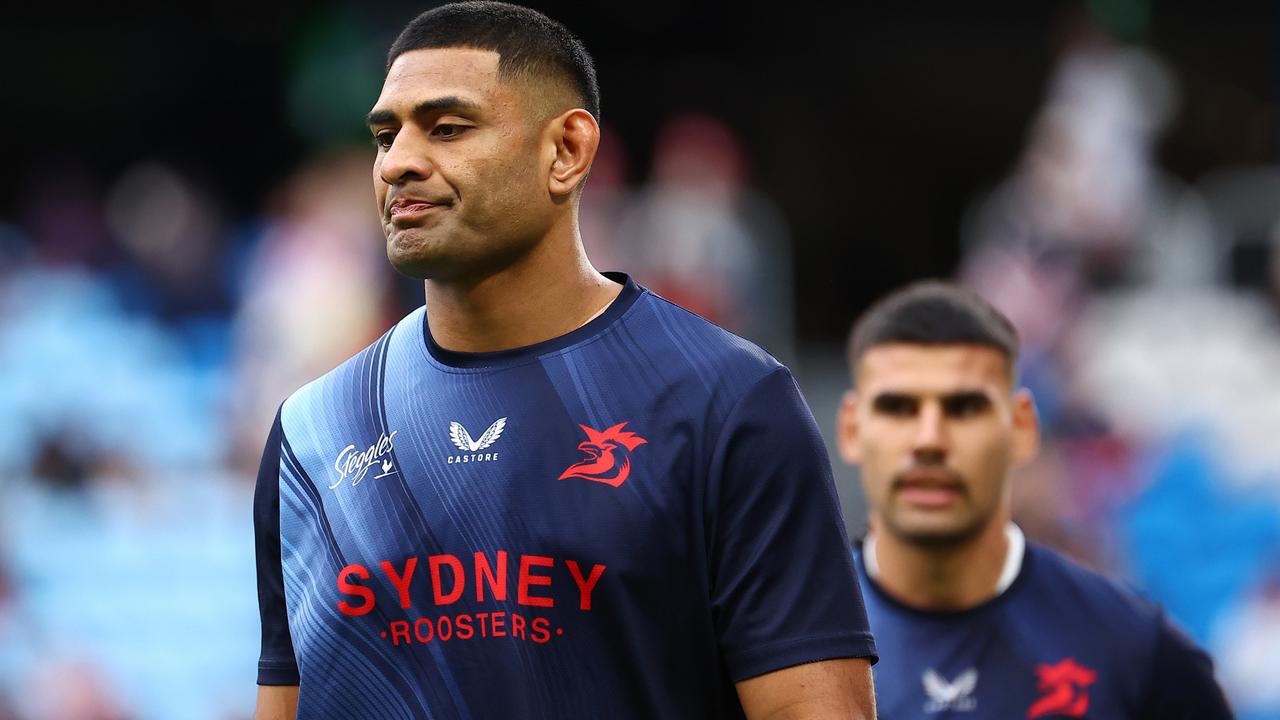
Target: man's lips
{"points": [[930, 489], [406, 208]]}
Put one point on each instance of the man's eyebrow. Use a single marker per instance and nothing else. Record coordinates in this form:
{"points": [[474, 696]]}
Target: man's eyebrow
{"points": [[449, 102], [966, 395], [892, 396]]}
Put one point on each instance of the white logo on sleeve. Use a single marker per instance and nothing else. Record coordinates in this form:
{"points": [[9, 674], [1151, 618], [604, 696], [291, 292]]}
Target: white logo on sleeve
{"points": [[955, 695], [471, 448], [355, 464]]}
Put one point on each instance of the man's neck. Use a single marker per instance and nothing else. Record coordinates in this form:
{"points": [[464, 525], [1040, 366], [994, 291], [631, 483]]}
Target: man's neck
{"points": [[947, 578], [552, 291]]}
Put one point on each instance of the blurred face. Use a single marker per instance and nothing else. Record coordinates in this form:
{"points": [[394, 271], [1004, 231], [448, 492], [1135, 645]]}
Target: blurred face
{"points": [[936, 431], [458, 177]]}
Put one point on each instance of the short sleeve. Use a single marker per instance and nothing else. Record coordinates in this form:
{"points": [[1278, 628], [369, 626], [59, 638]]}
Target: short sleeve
{"points": [[783, 586], [276, 663], [1182, 681]]}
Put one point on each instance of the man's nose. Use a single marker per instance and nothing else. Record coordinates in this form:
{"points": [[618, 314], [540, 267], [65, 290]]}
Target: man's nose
{"points": [[931, 440], [407, 159]]}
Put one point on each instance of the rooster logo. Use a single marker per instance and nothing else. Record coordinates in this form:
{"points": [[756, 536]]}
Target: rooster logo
{"points": [[1063, 686], [600, 465]]}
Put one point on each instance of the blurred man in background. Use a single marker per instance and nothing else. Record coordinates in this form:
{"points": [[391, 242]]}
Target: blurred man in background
{"points": [[646, 526], [969, 615]]}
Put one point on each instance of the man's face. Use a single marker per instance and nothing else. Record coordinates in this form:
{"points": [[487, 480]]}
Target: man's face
{"points": [[460, 173], [936, 430]]}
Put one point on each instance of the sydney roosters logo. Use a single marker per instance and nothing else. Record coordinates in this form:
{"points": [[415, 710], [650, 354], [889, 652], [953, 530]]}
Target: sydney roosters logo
{"points": [[602, 465], [1064, 687]]}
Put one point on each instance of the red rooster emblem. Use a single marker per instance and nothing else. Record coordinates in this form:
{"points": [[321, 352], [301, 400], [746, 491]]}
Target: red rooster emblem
{"points": [[1063, 686], [600, 463]]}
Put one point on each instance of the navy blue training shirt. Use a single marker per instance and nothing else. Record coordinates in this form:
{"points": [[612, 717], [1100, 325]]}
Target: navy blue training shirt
{"points": [[621, 522], [1060, 642]]}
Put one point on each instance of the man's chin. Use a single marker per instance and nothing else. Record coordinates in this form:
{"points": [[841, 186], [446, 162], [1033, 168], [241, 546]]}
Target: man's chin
{"points": [[936, 532], [414, 253], [430, 254]]}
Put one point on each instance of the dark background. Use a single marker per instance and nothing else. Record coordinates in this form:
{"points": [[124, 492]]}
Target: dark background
{"points": [[872, 125]]}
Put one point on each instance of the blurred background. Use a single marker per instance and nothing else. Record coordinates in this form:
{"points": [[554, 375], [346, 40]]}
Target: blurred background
{"points": [[187, 235]]}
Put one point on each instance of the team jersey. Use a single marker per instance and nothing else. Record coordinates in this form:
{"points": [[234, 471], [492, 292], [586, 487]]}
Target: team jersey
{"points": [[620, 522], [1059, 642]]}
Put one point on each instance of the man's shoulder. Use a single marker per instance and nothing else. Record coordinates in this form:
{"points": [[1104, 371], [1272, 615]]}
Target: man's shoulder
{"points": [[1105, 601], [684, 338]]}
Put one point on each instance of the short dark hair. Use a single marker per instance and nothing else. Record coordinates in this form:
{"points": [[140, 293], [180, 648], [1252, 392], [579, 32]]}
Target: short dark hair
{"points": [[528, 43], [933, 312]]}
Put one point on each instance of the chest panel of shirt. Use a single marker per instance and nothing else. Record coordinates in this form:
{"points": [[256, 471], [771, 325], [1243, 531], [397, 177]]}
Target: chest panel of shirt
{"points": [[1017, 669], [443, 532], [543, 487], [1038, 652]]}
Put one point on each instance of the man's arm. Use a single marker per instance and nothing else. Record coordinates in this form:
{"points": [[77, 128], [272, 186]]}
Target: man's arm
{"points": [[835, 689], [277, 702]]}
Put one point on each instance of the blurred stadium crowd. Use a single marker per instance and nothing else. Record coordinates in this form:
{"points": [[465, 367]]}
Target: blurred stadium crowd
{"points": [[147, 335]]}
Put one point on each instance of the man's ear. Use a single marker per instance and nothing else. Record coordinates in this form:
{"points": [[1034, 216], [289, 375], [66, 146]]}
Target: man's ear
{"points": [[575, 136], [1026, 428], [847, 428]]}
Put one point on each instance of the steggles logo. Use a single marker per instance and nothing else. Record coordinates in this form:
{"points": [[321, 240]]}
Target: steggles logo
{"points": [[356, 464], [471, 448]]}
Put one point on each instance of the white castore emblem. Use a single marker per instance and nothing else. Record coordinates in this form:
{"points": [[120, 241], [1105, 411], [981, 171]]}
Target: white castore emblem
{"points": [[471, 449], [955, 695]]}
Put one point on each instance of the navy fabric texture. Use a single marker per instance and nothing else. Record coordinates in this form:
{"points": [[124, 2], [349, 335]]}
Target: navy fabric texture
{"points": [[1060, 642], [620, 522]]}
